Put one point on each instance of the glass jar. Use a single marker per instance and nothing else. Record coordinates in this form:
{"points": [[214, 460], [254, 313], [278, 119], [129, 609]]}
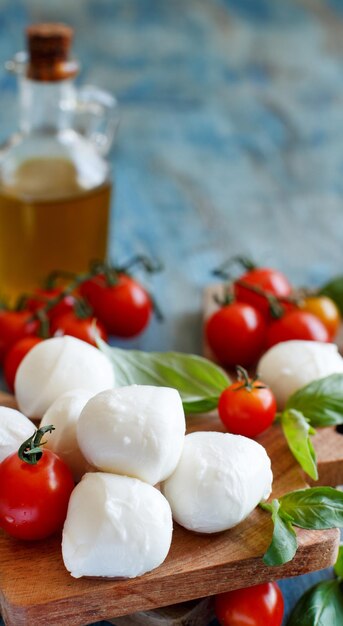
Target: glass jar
{"points": [[55, 184]]}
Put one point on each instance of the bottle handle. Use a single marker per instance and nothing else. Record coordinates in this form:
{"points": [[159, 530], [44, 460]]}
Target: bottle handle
{"points": [[97, 117]]}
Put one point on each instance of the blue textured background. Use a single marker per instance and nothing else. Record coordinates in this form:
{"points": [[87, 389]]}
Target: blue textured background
{"points": [[231, 138]]}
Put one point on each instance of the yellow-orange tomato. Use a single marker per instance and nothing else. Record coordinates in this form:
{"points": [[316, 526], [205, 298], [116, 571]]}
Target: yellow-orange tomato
{"points": [[326, 310]]}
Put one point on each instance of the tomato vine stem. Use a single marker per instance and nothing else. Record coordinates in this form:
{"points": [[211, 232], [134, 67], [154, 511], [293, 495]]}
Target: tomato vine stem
{"points": [[248, 383], [30, 450]]}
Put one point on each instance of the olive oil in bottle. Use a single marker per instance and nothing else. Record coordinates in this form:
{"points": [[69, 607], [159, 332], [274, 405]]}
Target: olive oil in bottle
{"points": [[55, 187], [61, 226]]}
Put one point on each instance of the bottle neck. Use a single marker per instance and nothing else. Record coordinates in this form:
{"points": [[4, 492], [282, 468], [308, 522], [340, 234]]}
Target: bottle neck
{"points": [[46, 107]]}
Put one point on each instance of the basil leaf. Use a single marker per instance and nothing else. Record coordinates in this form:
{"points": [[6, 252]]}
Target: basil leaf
{"points": [[334, 290], [316, 508], [284, 541], [199, 381], [322, 605], [320, 401], [338, 567], [297, 432]]}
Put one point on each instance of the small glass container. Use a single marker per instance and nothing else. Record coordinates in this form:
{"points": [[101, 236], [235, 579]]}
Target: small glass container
{"points": [[55, 183]]}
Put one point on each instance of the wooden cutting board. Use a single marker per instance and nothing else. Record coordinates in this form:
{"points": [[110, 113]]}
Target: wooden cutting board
{"points": [[36, 589]]}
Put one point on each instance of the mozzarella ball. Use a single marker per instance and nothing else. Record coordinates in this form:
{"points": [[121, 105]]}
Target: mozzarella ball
{"points": [[116, 526], [136, 431], [55, 366], [15, 428], [64, 414], [290, 365], [219, 480]]}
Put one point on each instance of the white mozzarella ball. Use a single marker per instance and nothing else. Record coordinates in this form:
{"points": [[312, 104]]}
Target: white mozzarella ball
{"points": [[15, 428], [116, 526], [136, 431], [290, 365], [55, 366], [219, 480], [63, 414]]}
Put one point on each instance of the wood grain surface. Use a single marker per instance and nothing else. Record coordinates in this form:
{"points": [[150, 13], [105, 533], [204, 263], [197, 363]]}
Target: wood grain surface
{"points": [[193, 613], [37, 589]]}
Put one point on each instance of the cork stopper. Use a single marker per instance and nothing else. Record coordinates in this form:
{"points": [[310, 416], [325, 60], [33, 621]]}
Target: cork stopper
{"points": [[49, 46]]}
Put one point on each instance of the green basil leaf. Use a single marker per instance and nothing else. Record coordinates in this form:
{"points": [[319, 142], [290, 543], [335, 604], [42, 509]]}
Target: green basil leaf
{"points": [[316, 508], [320, 401], [199, 381], [339, 563], [297, 432], [284, 541], [322, 605], [334, 290]]}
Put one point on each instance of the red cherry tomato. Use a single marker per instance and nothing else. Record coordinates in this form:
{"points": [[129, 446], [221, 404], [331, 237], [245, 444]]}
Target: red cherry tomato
{"points": [[261, 605], [326, 310], [34, 498], [41, 297], [236, 333], [15, 325], [82, 328], [270, 280], [297, 325], [124, 308], [247, 407], [14, 357]]}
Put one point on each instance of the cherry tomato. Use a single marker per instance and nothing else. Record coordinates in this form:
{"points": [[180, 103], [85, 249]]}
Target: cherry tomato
{"points": [[326, 310], [236, 333], [82, 328], [270, 280], [15, 325], [41, 297], [14, 357], [124, 308], [297, 325], [34, 498], [261, 605], [247, 407]]}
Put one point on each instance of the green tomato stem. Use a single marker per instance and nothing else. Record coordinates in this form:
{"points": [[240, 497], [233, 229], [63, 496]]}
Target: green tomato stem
{"points": [[30, 450]]}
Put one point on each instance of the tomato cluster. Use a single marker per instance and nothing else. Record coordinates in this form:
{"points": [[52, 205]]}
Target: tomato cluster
{"points": [[108, 302], [260, 310]]}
